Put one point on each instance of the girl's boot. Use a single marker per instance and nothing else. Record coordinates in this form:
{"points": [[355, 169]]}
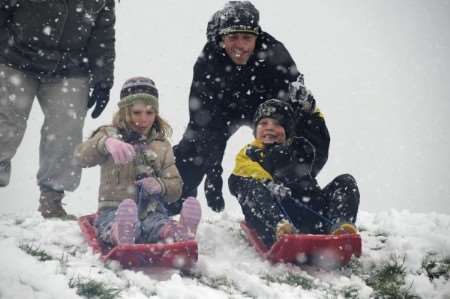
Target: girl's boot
{"points": [[123, 229], [186, 228], [190, 216]]}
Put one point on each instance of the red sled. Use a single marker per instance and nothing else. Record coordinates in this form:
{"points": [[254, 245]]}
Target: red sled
{"points": [[179, 255], [327, 251]]}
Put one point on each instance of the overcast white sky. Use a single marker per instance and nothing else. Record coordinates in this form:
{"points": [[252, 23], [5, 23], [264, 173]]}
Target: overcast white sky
{"points": [[379, 70]]}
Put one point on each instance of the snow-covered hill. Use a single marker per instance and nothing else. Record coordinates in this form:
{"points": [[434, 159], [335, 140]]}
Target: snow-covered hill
{"points": [[397, 247], [379, 70]]}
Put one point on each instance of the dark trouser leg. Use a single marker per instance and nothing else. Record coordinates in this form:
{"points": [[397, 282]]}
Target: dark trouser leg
{"points": [[213, 181], [342, 195], [321, 213], [189, 165], [307, 214], [200, 152], [259, 208]]}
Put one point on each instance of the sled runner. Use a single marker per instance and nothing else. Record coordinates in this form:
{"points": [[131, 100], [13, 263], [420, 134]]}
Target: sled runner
{"points": [[322, 250], [179, 255]]}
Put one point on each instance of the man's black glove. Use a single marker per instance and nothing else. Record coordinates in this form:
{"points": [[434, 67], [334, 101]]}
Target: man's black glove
{"points": [[301, 98], [213, 192], [100, 97]]}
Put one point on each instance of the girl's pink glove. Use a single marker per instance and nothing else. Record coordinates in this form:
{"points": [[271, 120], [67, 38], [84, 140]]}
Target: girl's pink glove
{"points": [[121, 152], [151, 185]]}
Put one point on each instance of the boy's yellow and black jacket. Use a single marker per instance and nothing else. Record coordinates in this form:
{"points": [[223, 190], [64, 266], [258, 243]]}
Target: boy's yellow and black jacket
{"points": [[247, 173], [248, 167], [279, 163]]}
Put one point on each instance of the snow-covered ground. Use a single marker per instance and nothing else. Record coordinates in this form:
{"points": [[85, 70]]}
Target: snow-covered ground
{"points": [[227, 267], [380, 72]]}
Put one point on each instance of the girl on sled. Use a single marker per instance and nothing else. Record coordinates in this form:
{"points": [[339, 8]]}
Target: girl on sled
{"points": [[273, 183], [138, 173]]}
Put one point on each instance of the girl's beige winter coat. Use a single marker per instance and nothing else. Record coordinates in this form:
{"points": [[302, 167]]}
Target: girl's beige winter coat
{"points": [[117, 182]]}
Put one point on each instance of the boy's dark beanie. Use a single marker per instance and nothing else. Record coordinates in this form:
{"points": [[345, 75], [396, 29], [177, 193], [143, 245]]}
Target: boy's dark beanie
{"points": [[279, 110]]}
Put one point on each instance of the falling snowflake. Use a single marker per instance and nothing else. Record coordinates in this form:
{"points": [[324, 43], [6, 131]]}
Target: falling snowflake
{"points": [[47, 30], [15, 80]]}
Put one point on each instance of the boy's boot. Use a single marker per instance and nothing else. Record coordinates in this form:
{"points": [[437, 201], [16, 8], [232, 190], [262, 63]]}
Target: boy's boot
{"points": [[50, 205], [123, 228], [345, 228], [5, 173], [284, 227]]}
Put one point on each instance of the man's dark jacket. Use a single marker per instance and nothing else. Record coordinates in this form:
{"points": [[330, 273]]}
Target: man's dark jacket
{"points": [[223, 97], [59, 37]]}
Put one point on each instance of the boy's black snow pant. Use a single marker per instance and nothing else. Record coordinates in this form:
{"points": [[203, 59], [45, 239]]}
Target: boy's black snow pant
{"points": [[318, 214]]}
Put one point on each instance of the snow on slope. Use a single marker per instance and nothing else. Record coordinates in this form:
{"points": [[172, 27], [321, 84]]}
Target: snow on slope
{"points": [[350, 54], [227, 268]]}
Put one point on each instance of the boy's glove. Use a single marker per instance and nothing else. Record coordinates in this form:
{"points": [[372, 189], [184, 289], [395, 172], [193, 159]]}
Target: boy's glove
{"points": [[121, 152], [100, 97], [255, 154], [150, 185], [279, 191], [290, 163], [301, 98], [303, 154], [276, 157], [280, 161]]}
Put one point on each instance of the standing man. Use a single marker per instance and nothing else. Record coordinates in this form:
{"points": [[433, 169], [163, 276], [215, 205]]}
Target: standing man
{"points": [[240, 67], [62, 53]]}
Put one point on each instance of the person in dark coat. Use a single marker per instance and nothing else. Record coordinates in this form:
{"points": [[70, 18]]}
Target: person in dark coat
{"points": [[62, 53], [239, 67], [273, 182]]}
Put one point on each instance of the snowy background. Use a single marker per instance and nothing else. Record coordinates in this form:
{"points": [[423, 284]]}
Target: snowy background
{"points": [[380, 72]]}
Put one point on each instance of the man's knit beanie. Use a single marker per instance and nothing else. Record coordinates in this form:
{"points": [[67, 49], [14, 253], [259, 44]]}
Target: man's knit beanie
{"points": [[238, 17], [139, 88]]}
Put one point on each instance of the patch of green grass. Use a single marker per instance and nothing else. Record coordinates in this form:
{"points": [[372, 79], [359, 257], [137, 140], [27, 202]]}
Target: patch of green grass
{"points": [[18, 221], [436, 266], [93, 289], [35, 251], [219, 283], [293, 279], [354, 267], [388, 281], [350, 293]]}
